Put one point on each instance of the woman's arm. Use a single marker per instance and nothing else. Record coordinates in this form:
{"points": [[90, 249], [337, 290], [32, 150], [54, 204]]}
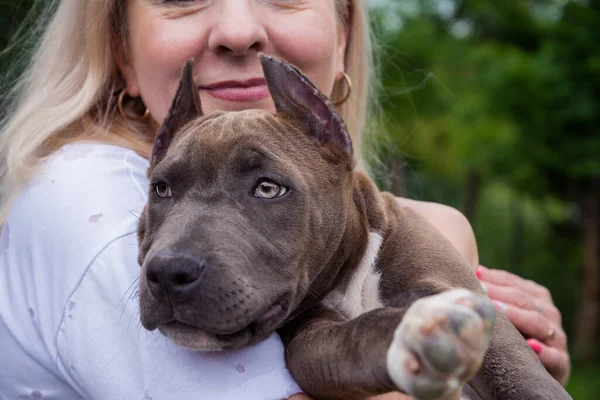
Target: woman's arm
{"points": [[527, 304], [451, 223]]}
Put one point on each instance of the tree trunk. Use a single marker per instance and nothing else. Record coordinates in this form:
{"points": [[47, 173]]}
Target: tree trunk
{"points": [[587, 321]]}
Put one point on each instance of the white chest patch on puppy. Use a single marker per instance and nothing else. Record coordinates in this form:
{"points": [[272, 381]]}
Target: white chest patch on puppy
{"points": [[362, 293]]}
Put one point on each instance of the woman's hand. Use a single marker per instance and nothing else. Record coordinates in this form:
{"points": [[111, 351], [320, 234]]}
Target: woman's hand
{"points": [[530, 308]]}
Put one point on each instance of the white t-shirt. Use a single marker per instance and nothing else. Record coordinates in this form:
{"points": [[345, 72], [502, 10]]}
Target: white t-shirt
{"points": [[69, 320]]}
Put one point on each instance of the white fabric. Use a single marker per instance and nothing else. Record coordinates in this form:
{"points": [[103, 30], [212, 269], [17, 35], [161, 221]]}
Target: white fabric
{"points": [[69, 325]]}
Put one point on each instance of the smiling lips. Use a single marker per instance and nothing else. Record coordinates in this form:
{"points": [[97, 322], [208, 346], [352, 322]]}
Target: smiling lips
{"points": [[250, 90]]}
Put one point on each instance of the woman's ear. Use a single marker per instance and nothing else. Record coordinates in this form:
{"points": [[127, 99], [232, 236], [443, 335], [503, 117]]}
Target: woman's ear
{"points": [[125, 66]]}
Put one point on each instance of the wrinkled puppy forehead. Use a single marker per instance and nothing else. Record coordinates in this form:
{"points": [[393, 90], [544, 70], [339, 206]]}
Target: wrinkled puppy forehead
{"points": [[242, 140], [231, 125], [222, 133]]}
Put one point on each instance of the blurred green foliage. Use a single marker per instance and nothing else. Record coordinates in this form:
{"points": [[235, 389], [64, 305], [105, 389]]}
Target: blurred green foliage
{"points": [[490, 107], [494, 108]]}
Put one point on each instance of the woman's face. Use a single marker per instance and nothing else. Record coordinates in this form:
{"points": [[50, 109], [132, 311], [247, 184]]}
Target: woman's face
{"points": [[224, 38]]}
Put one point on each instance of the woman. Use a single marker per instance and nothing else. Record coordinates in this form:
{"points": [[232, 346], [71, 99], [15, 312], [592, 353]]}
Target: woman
{"points": [[74, 154]]}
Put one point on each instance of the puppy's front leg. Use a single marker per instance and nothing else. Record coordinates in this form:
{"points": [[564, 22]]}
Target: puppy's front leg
{"points": [[333, 358], [427, 351]]}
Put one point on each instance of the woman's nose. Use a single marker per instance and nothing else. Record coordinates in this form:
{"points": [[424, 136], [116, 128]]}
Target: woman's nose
{"points": [[238, 28]]}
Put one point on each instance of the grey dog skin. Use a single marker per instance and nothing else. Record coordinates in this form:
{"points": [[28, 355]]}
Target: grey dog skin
{"points": [[223, 268]]}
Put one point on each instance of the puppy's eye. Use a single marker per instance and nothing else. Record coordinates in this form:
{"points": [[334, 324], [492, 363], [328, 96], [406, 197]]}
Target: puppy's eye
{"points": [[269, 190], [162, 189]]}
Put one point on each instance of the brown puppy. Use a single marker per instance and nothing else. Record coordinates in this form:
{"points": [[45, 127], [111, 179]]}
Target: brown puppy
{"points": [[257, 222]]}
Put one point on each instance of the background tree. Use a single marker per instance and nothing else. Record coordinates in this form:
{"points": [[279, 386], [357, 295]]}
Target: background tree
{"points": [[494, 108]]}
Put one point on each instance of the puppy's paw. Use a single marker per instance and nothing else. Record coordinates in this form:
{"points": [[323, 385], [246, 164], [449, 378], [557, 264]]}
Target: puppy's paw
{"points": [[440, 343]]}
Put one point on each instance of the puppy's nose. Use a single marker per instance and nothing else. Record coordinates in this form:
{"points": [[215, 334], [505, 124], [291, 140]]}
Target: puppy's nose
{"points": [[173, 274]]}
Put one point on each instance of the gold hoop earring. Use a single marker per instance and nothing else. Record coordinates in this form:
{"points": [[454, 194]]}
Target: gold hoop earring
{"points": [[348, 93], [126, 115]]}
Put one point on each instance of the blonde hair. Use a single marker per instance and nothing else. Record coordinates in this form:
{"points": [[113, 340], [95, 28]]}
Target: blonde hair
{"points": [[67, 92]]}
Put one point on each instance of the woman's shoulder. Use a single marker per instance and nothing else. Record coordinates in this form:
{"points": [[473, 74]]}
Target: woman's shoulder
{"points": [[78, 170], [451, 223], [82, 185], [84, 196]]}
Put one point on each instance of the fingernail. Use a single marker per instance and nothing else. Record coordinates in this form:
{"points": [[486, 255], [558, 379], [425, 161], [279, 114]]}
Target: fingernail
{"points": [[535, 346], [500, 305], [478, 273], [484, 287]]}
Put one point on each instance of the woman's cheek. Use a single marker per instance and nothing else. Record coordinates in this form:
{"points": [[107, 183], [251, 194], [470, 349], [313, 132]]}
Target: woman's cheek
{"points": [[165, 45], [311, 50], [158, 63]]}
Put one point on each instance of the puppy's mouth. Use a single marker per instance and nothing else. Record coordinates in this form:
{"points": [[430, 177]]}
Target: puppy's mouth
{"points": [[195, 337], [262, 327]]}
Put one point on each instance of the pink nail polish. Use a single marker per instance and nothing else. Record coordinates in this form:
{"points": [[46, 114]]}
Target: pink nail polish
{"points": [[500, 305], [535, 346], [478, 273]]}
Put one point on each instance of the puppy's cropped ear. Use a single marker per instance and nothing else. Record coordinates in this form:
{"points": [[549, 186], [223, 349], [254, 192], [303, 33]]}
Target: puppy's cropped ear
{"points": [[185, 107], [298, 98]]}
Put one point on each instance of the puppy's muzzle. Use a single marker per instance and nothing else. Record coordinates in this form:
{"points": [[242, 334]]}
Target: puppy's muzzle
{"points": [[174, 276], [200, 300]]}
